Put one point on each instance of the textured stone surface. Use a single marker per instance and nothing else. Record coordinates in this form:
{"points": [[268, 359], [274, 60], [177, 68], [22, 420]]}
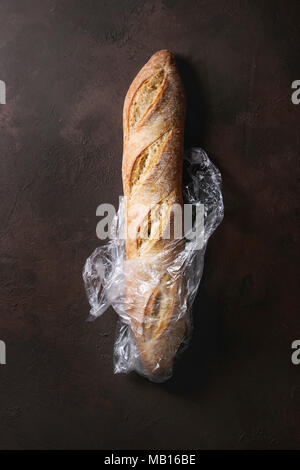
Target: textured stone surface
{"points": [[67, 65]]}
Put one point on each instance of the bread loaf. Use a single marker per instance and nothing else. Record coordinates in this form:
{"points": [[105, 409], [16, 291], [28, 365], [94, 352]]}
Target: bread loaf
{"points": [[153, 125]]}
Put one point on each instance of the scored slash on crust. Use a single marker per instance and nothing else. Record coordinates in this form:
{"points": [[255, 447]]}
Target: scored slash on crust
{"points": [[146, 98], [147, 159]]}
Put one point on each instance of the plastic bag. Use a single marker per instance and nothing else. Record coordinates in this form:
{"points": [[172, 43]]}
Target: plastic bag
{"points": [[106, 270]]}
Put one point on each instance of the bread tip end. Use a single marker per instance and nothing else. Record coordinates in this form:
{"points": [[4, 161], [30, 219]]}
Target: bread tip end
{"points": [[163, 55]]}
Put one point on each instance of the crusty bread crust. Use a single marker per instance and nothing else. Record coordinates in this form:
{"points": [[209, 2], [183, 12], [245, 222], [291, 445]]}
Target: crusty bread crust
{"points": [[153, 126]]}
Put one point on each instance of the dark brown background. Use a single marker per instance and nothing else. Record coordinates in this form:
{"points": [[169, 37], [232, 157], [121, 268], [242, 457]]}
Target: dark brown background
{"points": [[67, 65]]}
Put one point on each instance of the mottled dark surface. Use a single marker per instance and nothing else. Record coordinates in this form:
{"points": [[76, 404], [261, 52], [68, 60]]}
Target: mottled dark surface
{"points": [[67, 65]]}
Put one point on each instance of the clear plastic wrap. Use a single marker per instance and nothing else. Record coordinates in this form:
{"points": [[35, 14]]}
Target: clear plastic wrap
{"points": [[145, 343]]}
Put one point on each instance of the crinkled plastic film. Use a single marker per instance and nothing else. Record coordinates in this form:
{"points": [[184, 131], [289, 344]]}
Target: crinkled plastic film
{"points": [[106, 273]]}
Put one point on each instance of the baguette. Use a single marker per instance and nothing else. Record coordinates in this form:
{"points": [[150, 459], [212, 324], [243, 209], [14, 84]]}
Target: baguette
{"points": [[153, 126]]}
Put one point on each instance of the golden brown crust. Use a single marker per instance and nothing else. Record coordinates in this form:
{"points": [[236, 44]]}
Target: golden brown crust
{"points": [[153, 125]]}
